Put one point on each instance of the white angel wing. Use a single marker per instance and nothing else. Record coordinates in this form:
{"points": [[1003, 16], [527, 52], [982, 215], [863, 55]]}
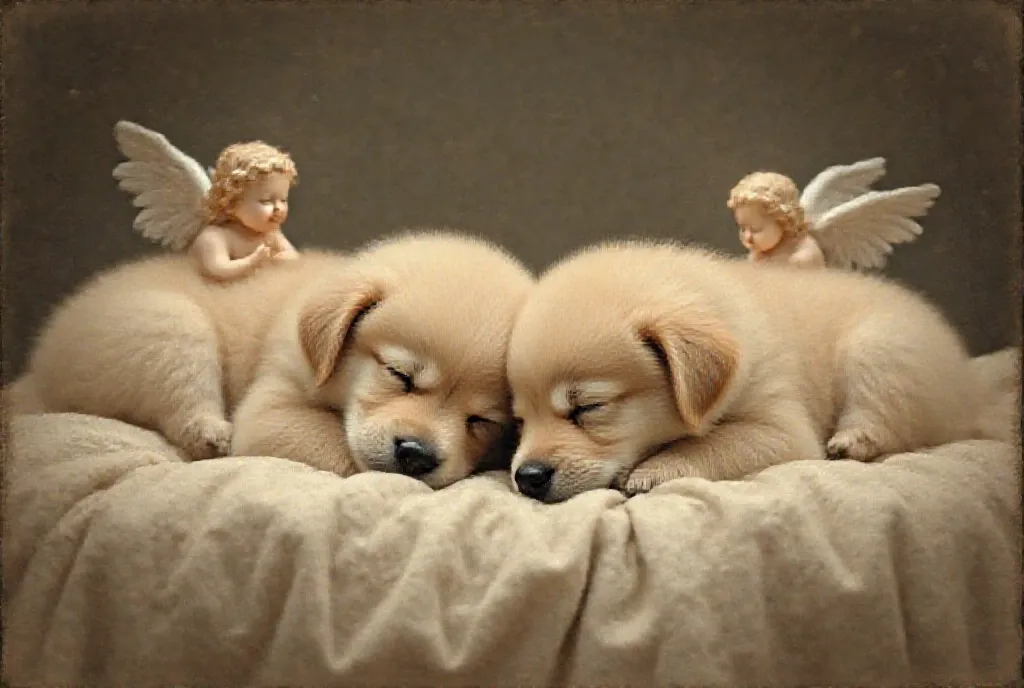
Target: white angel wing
{"points": [[168, 185], [861, 232], [838, 184]]}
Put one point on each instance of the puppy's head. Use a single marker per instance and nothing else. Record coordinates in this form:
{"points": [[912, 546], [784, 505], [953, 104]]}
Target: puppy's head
{"points": [[410, 347], [611, 359]]}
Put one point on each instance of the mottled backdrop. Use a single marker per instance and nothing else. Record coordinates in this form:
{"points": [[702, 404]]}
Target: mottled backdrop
{"points": [[544, 126]]}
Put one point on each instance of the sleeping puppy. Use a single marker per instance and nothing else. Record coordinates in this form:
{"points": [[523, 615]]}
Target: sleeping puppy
{"points": [[392, 359], [635, 363]]}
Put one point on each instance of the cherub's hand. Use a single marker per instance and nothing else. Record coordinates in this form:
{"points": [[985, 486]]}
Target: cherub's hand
{"points": [[260, 255], [283, 250]]}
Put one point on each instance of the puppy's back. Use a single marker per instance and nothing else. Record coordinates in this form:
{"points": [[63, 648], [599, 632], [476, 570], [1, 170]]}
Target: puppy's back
{"points": [[819, 310], [92, 319], [850, 330], [833, 298]]}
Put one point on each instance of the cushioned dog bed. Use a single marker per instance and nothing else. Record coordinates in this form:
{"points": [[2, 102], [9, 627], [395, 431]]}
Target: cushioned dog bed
{"points": [[124, 565]]}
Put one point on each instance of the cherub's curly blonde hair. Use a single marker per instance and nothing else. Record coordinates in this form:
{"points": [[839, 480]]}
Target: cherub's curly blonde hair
{"points": [[237, 166], [776, 193]]}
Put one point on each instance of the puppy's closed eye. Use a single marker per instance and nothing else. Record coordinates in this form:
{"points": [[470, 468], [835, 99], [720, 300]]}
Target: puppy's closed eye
{"points": [[482, 427], [576, 415], [402, 377]]}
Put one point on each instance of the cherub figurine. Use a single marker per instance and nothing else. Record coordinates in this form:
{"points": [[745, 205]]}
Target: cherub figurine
{"points": [[229, 219], [836, 222]]}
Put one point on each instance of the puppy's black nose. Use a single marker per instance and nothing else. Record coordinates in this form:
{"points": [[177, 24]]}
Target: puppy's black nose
{"points": [[534, 479], [414, 457]]}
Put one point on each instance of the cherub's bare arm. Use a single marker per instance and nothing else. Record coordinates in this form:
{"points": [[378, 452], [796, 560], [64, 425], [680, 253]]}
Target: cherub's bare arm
{"points": [[210, 249], [283, 247]]}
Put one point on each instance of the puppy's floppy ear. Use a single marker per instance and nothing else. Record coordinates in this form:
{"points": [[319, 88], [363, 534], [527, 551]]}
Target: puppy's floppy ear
{"points": [[701, 360], [327, 318]]}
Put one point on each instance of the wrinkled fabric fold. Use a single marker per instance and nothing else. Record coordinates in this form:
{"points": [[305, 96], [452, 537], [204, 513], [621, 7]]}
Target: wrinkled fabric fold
{"points": [[124, 566]]}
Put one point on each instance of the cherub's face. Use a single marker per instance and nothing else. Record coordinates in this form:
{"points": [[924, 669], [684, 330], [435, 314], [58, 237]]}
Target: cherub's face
{"points": [[263, 206], [759, 231]]}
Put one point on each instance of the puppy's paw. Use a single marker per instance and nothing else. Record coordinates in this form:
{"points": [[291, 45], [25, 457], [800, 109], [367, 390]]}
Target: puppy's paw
{"points": [[639, 482], [206, 437], [855, 444], [645, 478]]}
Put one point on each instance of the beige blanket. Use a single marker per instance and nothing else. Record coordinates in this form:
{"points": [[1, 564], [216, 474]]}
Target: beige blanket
{"points": [[125, 566]]}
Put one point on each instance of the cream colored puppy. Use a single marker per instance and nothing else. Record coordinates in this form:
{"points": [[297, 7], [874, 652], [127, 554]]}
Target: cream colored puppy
{"points": [[633, 364], [392, 359]]}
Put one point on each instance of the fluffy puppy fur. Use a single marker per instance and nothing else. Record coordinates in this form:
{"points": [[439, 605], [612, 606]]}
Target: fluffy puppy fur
{"points": [[636, 363], [391, 359]]}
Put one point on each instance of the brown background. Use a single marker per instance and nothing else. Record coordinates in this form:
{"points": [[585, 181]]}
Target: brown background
{"points": [[543, 126]]}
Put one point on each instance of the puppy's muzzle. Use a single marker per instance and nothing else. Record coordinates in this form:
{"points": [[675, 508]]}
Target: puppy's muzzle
{"points": [[534, 479], [415, 457]]}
